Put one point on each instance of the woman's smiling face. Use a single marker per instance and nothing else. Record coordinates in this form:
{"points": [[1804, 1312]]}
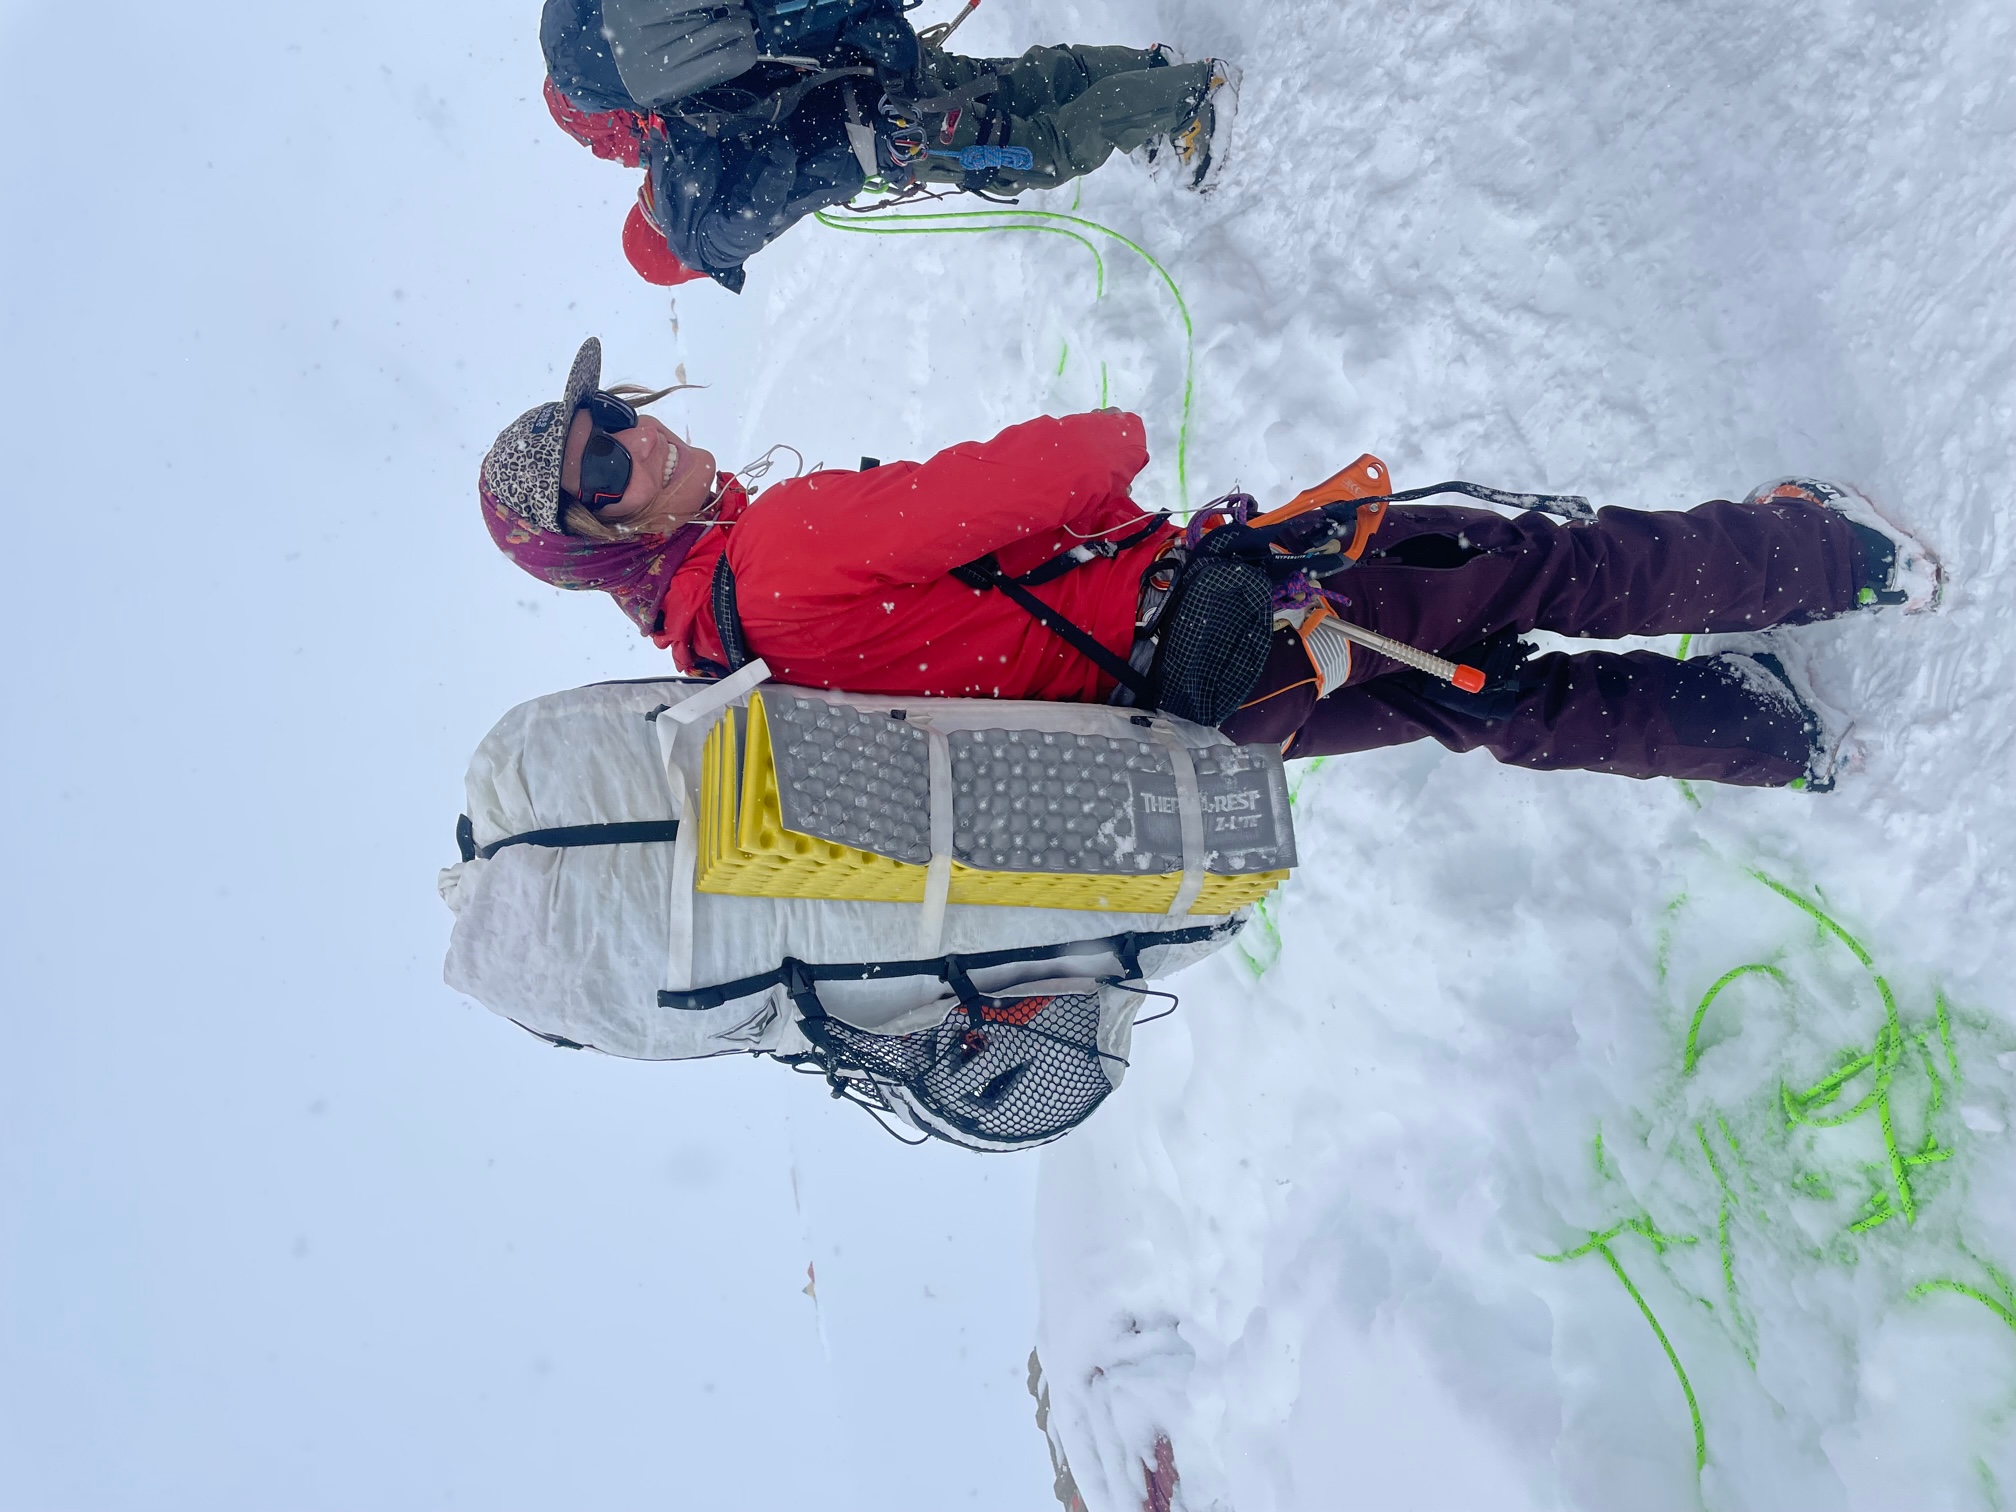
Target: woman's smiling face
{"points": [[670, 480]]}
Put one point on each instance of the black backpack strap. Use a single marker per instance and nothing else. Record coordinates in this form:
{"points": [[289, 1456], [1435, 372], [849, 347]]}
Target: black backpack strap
{"points": [[727, 622], [565, 836], [701, 999], [986, 573], [1092, 551], [773, 110], [801, 978]]}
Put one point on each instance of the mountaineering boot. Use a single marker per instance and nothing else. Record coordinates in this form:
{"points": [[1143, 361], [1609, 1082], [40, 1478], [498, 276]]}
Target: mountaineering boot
{"points": [[1201, 146], [1197, 148], [1777, 669], [1898, 568]]}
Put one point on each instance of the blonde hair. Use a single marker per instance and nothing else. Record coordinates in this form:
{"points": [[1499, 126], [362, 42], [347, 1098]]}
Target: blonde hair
{"points": [[637, 396], [576, 518]]}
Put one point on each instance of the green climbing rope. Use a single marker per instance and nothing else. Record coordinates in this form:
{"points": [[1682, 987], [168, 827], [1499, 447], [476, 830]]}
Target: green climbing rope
{"points": [[1673, 1359], [913, 223], [1722, 1225], [1946, 1033], [1645, 1228], [1600, 1244], [1260, 942], [882, 226], [2005, 1310], [1693, 1050], [1894, 1050], [1883, 1061]]}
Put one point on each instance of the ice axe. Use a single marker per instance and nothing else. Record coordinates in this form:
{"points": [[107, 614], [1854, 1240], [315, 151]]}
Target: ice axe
{"points": [[936, 36], [1325, 529]]}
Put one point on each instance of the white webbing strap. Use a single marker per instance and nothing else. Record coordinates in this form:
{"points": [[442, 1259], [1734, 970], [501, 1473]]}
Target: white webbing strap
{"points": [[674, 726], [938, 875], [679, 902], [719, 695], [679, 899], [1190, 816]]}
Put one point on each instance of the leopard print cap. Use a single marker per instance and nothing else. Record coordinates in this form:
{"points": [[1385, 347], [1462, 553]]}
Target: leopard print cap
{"points": [[521, 471]]}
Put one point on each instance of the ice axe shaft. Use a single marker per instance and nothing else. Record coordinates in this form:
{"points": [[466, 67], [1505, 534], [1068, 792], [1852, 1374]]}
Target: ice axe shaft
{"points": [[955, 23], [1468, 679]]}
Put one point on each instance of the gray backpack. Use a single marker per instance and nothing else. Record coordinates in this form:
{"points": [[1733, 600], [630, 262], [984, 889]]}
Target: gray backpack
{"points": [[949, 909], [665, 50]]}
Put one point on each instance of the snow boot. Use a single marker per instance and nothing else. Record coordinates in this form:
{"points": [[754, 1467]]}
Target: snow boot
{"points": [[1776, 668], [1199, 147], [1899, 569]]}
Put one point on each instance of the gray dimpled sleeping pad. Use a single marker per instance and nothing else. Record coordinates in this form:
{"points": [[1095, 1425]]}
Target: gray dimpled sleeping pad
{"points": [[1023, 800]]}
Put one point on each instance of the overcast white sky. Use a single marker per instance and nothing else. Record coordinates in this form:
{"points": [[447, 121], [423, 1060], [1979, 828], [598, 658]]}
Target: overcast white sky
{"points": [[285, 1223]]}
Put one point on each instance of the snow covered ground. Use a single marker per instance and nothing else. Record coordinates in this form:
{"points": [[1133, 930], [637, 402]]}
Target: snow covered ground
{"points": [[1652, 255]]}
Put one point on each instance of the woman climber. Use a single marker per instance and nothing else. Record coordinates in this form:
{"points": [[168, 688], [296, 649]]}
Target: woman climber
{"points": [[1020, 568], [749, 115]]}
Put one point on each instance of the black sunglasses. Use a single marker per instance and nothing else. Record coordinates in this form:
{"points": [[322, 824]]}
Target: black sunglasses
{"points": [[605, 463]]}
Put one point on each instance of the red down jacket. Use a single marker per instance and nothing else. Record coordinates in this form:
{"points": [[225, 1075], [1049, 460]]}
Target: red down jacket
{"points": [[842, 578]]}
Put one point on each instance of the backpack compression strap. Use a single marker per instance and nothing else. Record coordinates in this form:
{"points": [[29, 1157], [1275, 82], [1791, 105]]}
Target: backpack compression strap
{"points": [[798, 976], [566, 836], [775, 111]]}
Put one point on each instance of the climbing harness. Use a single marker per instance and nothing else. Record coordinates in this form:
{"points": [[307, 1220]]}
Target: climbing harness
{"points": [[1237, 574]]}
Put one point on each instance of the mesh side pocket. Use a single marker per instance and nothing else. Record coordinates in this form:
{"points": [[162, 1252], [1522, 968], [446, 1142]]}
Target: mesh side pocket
{"points": [[1028, 1071], [1212, 642]]}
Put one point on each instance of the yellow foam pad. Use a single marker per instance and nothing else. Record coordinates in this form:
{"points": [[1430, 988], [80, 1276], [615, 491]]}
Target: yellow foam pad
{"points": [[746, 851]]}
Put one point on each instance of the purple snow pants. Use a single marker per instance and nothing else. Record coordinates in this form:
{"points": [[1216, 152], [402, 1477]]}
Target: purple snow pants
{"points": [[1445, 579]]}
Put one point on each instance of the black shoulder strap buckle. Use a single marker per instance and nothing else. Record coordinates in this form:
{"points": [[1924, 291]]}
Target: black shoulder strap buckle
{"points": [[982, 573]]}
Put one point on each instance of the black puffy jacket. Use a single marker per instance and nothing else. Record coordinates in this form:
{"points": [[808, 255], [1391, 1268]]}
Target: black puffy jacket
{"points": [[736, 166], [720, 201]]}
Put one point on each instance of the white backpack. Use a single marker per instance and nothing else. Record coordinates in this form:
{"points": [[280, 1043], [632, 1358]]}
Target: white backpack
{"points": [[950, 907]]}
